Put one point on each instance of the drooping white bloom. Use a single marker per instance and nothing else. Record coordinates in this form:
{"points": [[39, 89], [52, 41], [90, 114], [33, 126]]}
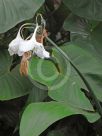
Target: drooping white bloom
{"points": [[28, 45], [32, 44], [20, 46], [14, 45], [40, 51]]}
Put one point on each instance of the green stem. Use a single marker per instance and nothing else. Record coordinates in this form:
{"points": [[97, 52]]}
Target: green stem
{"points": [[98, 106]]}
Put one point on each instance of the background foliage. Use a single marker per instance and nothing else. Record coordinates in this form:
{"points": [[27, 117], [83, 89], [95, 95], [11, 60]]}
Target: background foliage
{"points": [[53, 88]]}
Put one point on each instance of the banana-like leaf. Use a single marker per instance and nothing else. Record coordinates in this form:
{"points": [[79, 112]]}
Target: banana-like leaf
{"points": [[67, 87], [13, 12], [37, 95], [85, 34], [39, 116], [53, 74], [12, 84], [96, 40], [91, 68], [90, 9]]}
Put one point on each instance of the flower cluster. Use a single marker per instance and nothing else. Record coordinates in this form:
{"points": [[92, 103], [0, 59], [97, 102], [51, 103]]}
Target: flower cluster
{"points": [[19, 46], [25, 47]]}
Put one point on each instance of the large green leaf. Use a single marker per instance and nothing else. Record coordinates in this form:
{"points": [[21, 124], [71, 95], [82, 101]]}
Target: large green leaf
{"points": [[39, 116], [85, 34], [80, 25], [12, 84], [47, 73], [37, 95], [90, 9], [91, 68], [96, 40], [77, 24], [13, 12]]}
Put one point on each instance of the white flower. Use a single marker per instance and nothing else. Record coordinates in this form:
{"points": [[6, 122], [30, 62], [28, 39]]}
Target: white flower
{"points": [[40, 51], [14, 45], [20, 46]]}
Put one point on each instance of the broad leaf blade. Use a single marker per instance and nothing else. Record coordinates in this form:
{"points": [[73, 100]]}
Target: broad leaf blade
{"points": [[96, 40], [39, 116], [90, 9], [90, 67], [13, 12], [46, 72], [77, 24], [37, 95], [85, 34], [12, 84]]}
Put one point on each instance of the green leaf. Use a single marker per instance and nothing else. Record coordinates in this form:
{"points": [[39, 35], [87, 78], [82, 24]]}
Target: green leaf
{"points": [[85, 34], [13, 12], [12, 84], [96, 40], [48, 73], [37, 95], [39, 116], [77, 24], [90, 9], [80, 25], [91, 68]]}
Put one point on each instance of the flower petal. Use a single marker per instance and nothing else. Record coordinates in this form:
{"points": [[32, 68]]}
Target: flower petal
{"points": [[40, 51], [13, 47], [46, 54], [26, 46], [14, 44], [20, 46]]}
